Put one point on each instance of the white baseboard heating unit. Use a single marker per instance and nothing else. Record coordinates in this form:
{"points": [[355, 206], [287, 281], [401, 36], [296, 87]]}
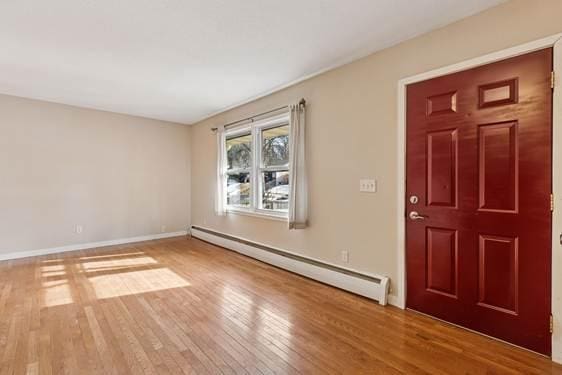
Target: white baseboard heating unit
{"points": [[370, 286]]}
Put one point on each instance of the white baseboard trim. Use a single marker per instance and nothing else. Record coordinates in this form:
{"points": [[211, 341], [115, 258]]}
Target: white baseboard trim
{"points": [[90, 245], [370, 286]]}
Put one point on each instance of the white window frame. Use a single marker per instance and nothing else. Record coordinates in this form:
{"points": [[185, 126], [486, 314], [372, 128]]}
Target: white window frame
{"points": [[257, 167]]}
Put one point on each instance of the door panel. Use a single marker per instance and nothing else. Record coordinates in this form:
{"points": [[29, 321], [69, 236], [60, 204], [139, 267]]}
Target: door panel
{"points": [[498, 167], [442, 261], [479, 159], [442, 168], [498, 277]]}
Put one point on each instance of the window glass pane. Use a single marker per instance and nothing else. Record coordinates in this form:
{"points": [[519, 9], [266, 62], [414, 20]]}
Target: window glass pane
{"points": [[239, 151], [238, 189], [275, 146], [275, 191]]}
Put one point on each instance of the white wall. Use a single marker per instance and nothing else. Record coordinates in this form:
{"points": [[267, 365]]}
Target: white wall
{"points": [[118, 176]]}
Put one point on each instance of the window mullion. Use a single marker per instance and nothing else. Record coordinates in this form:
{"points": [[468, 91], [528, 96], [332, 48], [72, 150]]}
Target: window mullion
{"points": [[282, 168], [237, 171], [255, 168]]}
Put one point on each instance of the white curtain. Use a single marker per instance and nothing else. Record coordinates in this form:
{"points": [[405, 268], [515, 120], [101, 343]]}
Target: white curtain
{"points": [[298, 202], [220, 193]]}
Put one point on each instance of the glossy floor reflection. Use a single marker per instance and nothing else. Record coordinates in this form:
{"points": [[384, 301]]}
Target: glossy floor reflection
{"points": [[183, 306]]}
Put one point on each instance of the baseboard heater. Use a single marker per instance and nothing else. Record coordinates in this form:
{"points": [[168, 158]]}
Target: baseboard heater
{"points": [[370, 286]]}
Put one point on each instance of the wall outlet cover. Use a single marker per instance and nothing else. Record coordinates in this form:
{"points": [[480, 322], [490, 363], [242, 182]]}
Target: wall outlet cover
{"points": [[345, 256], [368, 185]]}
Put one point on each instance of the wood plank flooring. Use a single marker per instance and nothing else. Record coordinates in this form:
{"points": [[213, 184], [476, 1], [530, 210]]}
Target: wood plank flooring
{"points": [[182, 306]]}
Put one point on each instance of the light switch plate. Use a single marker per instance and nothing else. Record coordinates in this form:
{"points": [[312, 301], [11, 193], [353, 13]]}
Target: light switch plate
{"points": [[368, 186]]}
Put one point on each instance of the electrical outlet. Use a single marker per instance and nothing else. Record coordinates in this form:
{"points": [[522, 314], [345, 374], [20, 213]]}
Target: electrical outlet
{"points": [[163, 229], [368, 186], [345, 256], [78, 229]]}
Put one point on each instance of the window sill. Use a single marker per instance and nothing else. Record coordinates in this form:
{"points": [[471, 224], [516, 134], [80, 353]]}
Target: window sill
{"points": [[259, 214]]}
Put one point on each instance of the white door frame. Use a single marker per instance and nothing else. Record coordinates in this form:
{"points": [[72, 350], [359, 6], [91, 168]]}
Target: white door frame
{"points": [[551, 41]]}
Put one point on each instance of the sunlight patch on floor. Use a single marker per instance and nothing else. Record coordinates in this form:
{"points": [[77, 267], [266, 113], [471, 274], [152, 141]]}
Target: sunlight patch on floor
{"points": [[50, 271], [56, 293], [135, 282], [52, 268], [53, 273], [52, 261], [127, 262], [120, 255]]}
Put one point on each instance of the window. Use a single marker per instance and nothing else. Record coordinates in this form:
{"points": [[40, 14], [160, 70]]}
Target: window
{"points": [[257, 168]]}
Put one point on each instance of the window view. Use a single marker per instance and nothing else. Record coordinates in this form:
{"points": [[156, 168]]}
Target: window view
{"points": [[275, 191], [239, 162], [269, 144], [238, 189], [275, 146], [239, 151], [275, 169]]}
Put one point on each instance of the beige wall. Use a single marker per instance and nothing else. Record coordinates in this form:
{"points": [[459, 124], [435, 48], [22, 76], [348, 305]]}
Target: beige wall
{"points": [[118, 176], [352, 134]]}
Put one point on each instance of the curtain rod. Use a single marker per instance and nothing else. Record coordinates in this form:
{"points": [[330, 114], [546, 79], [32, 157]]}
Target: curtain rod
{"points": [[302, 102]]}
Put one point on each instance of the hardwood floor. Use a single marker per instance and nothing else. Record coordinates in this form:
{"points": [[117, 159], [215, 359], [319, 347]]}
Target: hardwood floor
{"points": [[185, 306]]}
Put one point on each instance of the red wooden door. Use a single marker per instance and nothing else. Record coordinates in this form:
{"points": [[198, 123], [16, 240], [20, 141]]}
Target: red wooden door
{"points": [[479, 148]]}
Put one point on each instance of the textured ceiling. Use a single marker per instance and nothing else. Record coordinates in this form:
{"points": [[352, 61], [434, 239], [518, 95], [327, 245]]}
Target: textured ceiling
{"points": [[183, 60]]}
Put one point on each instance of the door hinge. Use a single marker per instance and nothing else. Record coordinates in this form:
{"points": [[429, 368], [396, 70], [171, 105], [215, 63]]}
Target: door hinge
{"points": [[552, 79], [551, 202], [551, 323]]}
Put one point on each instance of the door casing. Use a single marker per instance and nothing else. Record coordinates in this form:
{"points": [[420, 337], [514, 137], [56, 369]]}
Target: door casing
{"points": [[554, 41]]}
